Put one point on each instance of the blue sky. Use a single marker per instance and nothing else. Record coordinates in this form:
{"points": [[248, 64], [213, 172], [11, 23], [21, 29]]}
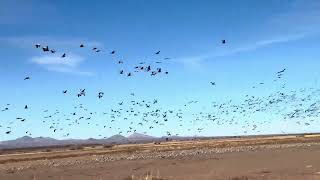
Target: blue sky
{"points": [[262, 38]]}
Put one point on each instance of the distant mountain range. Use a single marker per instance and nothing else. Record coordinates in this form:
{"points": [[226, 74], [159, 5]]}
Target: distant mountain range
{"points": [[29, 142]]}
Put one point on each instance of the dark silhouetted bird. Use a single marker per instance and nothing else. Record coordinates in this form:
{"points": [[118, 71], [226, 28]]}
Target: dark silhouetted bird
{"points": [[158, 52], [45, 49], [27, 78], [53, 51], [82, 92], [25, 107], [121, 72], [37, 45], [81, 45], [281, 71], [113, 52], [64, 92], [100, 95], [129, 74], [223, 41], [94, 48], [63, 55]]}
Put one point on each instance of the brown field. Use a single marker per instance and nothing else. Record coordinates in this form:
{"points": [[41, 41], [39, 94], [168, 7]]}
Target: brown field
{"points": [[277, 157]]}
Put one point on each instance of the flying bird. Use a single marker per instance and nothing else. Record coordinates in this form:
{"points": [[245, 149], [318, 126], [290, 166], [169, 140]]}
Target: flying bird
{"points": [[113, 52], [81, 45], [27, 78], [53, 51], [64, 92], [223, 41], [281, 71], [82, 92], [45, 49], [63, 55], [158, 52], [37, 45], [100, 95]]}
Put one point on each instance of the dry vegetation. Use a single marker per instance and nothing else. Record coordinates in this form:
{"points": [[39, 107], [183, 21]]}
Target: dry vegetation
{"points": [[77, 151]]}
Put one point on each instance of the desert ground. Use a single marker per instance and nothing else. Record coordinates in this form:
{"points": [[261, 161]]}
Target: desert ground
{"points": [[283, 157]]}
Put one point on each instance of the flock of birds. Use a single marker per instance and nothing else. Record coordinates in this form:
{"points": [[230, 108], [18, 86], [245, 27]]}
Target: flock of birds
{"points": [[141, 67], [141, 115]]}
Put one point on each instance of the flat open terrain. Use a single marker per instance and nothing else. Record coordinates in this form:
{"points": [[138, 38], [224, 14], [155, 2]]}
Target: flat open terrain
{"points": [[283, 157]]}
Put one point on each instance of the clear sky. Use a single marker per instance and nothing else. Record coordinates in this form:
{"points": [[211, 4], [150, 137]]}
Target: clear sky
{"points": [[262, 38]]}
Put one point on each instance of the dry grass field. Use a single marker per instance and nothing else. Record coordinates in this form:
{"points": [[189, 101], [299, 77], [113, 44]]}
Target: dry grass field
{"points": [[277, 157]]}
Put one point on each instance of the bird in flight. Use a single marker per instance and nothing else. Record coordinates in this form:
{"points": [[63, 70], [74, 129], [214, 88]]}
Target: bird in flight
{"points": [[158, 52], [81, 45], [82, 92], [53, 51], [27, 78], [113, 52], [37, 45], [281, 71], [26, 107], [63, 55], [223, 41], [100, 95], [64, 92], [45, 49], [213, 83]]}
